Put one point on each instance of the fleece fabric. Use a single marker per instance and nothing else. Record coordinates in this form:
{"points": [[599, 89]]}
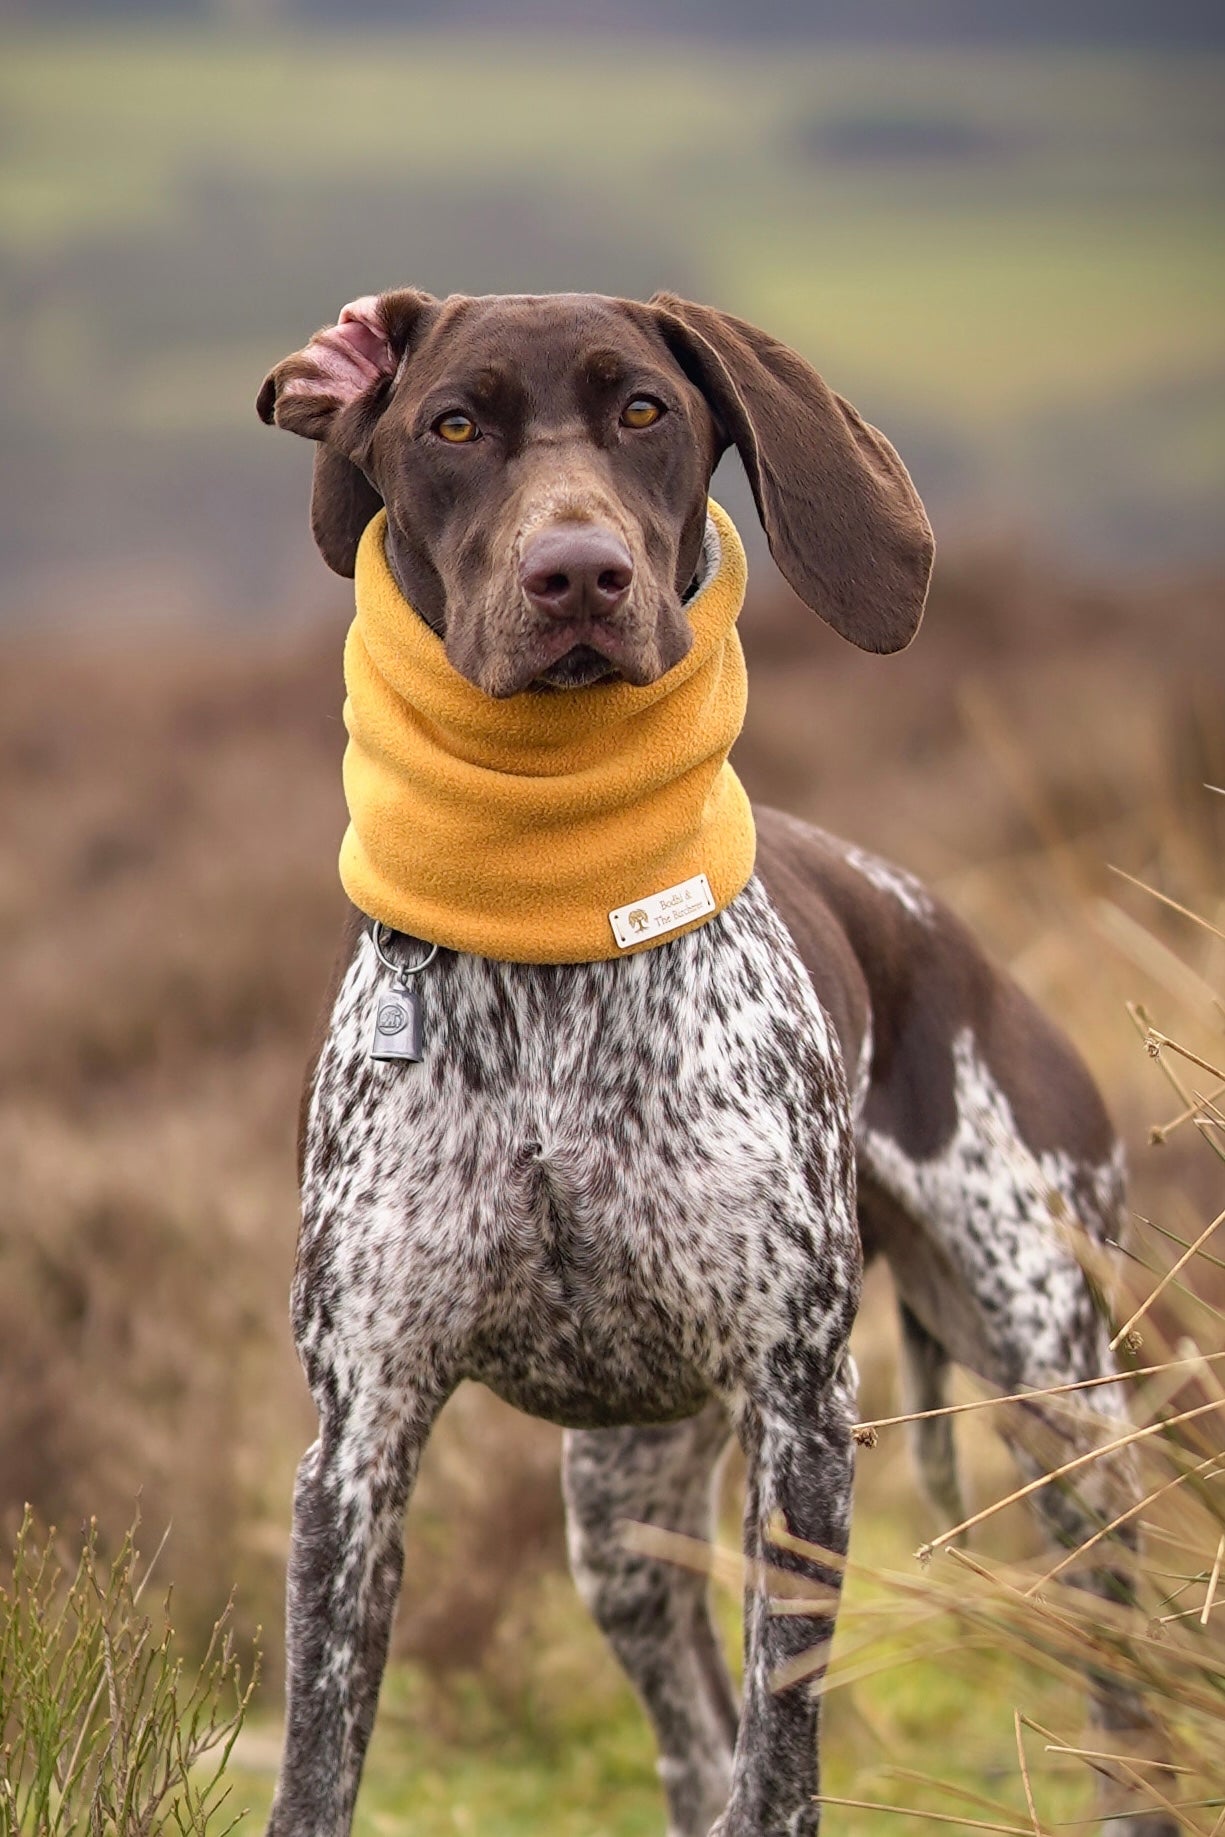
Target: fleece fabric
{"points": [[512, 829]]}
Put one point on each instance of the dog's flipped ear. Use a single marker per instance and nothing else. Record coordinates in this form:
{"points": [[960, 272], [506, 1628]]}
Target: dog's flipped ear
{"points": [[333, 391], [843, 520]]}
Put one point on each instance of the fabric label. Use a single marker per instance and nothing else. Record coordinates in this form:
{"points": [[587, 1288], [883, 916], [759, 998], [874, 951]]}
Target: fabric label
{"points": [[662, 912]]}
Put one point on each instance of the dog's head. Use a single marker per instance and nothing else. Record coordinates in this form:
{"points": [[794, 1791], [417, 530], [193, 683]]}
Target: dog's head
{"points": [[544, 461]]}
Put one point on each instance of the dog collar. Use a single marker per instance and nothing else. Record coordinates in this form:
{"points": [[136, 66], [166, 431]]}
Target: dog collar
{"points": [[543, 829]]}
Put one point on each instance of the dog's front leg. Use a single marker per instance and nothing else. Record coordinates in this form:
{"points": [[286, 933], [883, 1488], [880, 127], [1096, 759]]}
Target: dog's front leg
{"points": [[344, 1576], [801, 1464]]}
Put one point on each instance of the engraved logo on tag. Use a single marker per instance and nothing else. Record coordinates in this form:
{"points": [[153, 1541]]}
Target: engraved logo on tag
{"points": [[397, 1027], [662, 912]]}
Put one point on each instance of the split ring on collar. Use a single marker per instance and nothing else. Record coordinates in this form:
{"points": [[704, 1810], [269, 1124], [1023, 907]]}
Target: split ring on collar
{"points": [[401, 971]]}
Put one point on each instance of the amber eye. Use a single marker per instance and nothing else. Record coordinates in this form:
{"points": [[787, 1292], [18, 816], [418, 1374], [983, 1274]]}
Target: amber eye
{"points": [[457, 429], [641, 412]]}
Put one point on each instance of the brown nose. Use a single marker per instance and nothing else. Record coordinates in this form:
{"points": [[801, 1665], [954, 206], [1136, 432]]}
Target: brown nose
{"points": [[575, 571]]}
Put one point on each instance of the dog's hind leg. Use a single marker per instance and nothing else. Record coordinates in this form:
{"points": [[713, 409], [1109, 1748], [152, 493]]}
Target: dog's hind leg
{"points": [[1046, 1436], [998, 1252], [656, 1615], [925, 1369]]}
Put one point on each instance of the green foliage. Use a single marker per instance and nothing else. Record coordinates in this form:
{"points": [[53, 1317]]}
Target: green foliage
{"points": [[105, 1728]]}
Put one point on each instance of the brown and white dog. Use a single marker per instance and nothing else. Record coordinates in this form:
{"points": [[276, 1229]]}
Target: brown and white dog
{"points": [[634, 1196]]}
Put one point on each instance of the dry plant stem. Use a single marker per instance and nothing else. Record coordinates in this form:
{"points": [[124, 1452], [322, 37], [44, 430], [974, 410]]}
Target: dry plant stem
{"points": [[1049, 1736], [841, 1676], [734, 1571], [910, 1776], [1107, 1530], [936, 1817], [1188, 1613], [1174, 1269], [842, 1673], [1173, 1237], [1159, 1533], [1173, 904], [1160, 1133], [731, 1570], [727, 1567], [1158, 1041], [1029, 1794], [1176, 1812], [1153, 958], [1144, 1027], [1054, 1390], [1073, 1466], [1095, 1760], [1166, 1388], [1058, 1747], [817, 1609], [1063, 1621], [1214, 1578]]}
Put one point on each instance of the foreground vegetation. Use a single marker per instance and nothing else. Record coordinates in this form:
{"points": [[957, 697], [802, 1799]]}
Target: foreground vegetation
{"points": [[104, 1728]]}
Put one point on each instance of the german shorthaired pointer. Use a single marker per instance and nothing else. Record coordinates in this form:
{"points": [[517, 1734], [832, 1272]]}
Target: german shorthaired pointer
{"points": [[634, 1197]]}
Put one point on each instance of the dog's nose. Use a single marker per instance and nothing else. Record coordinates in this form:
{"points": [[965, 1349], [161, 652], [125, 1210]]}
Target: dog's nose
{"points": [[575, 570]]}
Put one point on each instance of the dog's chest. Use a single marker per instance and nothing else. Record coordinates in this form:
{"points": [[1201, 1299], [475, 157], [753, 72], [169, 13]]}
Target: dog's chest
{"points": [[605, 1184]]}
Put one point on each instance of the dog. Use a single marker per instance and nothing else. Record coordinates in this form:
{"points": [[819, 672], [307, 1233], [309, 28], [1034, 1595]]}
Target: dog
{"points": [[634, 1197]]}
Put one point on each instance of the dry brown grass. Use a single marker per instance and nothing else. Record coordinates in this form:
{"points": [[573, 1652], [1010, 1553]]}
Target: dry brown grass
{"points": [[168, 912]]}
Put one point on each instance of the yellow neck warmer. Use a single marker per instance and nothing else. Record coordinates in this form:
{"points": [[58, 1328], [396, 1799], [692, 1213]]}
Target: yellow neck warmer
{"points": [[540, 829]]}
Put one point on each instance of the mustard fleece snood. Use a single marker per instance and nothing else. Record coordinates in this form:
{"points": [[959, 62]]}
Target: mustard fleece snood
{"points": [[514, 829]]}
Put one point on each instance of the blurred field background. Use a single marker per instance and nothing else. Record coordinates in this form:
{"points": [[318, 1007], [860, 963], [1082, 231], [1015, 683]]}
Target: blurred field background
{"points": [[1002, 239]]}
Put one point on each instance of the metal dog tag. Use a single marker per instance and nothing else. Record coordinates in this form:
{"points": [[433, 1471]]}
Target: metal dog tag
{"points": [[397, 1025]]}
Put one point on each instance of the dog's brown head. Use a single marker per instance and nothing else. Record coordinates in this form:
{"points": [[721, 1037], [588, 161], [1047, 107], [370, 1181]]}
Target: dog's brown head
{"points": [[544, 461]]}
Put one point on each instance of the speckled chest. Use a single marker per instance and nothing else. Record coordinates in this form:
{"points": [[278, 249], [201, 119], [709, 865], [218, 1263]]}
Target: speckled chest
{"points": [[607, 1189]]}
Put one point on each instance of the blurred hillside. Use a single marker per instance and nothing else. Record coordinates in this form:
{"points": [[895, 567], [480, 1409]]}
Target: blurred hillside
{"points": [[1009, 258], [1159, 22]]}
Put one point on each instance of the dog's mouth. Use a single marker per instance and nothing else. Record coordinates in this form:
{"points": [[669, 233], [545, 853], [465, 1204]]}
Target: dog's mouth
{"points": [[577, 669], [577, 653]]}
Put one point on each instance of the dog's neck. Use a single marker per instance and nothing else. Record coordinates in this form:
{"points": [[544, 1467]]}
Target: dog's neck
{"points": [[401, 574], [519, 828]]}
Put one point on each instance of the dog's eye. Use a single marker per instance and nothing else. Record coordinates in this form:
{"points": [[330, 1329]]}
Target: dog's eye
{"points": [[641, 412], [456, 428]]}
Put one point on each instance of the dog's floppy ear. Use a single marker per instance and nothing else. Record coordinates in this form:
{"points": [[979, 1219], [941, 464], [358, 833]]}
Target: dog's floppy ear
{"points": [[333, 391], [342, 503], [843, 520]]}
